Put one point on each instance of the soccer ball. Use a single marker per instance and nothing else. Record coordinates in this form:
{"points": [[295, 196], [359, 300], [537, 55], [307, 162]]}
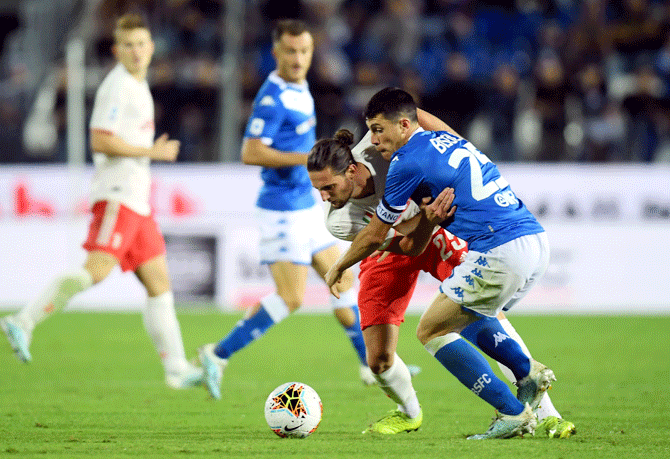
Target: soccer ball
{"points": [[293, 410]]}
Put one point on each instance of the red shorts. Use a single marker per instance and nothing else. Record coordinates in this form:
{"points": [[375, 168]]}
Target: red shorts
{"points": [[130, 237], [386, 287]]}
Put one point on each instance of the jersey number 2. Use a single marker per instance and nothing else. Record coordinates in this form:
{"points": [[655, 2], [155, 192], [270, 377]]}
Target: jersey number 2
{"points": [[477, 159]]}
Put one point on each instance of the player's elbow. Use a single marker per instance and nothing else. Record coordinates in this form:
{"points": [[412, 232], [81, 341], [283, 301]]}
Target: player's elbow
{"points": [[99, 141], [250, 154], [247, 157]]}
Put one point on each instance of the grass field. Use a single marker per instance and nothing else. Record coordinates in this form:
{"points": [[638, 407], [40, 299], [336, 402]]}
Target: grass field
{"points": [[95, 389]]}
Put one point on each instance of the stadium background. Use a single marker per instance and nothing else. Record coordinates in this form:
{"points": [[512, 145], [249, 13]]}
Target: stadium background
{"points": [[571, 98]]}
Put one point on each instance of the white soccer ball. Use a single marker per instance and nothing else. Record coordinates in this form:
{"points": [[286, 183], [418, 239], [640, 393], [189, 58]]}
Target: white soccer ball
{"points": [[293, 410]]}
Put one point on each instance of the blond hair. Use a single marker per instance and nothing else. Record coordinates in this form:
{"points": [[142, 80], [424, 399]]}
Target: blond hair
{"points": [[129, 21]]}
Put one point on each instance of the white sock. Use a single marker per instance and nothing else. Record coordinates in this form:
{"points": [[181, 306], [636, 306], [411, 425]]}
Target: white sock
{"points": [[396, 382], [160, 321], [546, 407], [54, 297]]}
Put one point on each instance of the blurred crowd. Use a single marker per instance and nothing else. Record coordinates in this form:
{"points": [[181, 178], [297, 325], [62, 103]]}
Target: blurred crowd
{"points": [[531, 80]]}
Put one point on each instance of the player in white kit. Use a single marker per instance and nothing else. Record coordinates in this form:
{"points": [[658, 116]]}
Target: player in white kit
{"points": [[122, 230]]}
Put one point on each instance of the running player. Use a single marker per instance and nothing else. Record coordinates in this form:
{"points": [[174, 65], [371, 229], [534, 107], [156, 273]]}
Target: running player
{"points": [[279, 134], [122, 230]]}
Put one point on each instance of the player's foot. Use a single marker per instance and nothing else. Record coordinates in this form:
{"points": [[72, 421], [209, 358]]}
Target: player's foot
{"points": [[555, 427], [533, 386], [367, 376], [508, 426], [395, 422], [18, 337], [213, 367], [193, 376]]}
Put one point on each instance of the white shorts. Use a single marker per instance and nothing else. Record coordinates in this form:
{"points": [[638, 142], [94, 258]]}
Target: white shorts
{"points": [[487, 283], [293, 236]]}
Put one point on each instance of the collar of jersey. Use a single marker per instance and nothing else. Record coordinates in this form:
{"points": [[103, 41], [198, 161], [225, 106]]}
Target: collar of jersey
{"points": [[418, 130], [283, 84]]}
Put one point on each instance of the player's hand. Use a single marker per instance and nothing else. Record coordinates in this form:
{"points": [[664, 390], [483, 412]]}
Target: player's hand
{"points": [[381, 254], [441, 208], [332, 278], [165, 149]]}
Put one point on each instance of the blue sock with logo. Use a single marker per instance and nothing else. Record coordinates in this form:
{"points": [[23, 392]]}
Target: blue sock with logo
{"points": [[355, 334], [246, 331], [489, 336], [473, 370]]}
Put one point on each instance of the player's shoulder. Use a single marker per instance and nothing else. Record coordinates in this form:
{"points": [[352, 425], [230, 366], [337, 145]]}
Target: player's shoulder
{"points": [[115, 81], [268, 94], [341, 223], [441, 141]]}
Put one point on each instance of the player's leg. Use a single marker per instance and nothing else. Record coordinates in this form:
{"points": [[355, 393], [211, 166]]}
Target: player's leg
{"points": [[290, 280], [345, 308], [394, 379], [160, 321], [53, 298], [103, 255], [385, 290], [550, 421], [438, 331]]}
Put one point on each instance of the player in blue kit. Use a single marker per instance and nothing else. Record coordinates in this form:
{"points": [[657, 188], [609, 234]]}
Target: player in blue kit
{"points": [[508, 253], [279, 135]]}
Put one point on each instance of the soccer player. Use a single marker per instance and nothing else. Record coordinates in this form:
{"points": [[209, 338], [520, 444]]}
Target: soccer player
{"points": [[279, 134], [122, 230], [507, 253], [352, 182]]}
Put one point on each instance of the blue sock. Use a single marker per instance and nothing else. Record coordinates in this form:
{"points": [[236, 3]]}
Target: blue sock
{"points": [[355, 334], [490, 337], [246, 331], [474, 371]]}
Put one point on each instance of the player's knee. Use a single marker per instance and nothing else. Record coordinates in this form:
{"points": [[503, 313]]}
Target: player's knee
{"points": [[292, 303], [380, 361], [346, 281], [423, 333], [345, 316]]}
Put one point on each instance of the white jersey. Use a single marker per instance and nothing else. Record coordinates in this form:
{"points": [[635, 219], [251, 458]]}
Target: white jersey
{"points": [[345, 223], [124, 107]]}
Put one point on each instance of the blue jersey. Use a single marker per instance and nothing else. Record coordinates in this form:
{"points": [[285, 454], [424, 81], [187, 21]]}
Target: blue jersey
{"points": [[283, 118], [488, 212]]}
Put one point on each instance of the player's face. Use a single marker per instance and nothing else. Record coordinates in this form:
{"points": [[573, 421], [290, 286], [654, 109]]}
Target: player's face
{"points": [[336, 189], [293, 54], [387, 135], [134, 49]]}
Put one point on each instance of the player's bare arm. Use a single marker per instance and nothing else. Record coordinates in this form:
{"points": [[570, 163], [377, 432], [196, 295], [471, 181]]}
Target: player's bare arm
{"points": [[432, 123], [256, 153], [432, 214], [111, 144], [415, 234], [363, 245]]}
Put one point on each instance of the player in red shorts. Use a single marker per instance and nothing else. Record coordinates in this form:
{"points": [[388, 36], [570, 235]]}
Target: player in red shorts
{"points": [[352, 181], [122, 231]]}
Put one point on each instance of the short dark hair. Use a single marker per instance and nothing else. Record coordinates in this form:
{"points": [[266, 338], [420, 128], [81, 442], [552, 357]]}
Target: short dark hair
{"points": [[391, 103], [292, 27], [334, 153]]}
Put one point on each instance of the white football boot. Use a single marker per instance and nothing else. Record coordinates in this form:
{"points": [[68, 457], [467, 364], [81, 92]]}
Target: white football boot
{"points": [[213, 367]]}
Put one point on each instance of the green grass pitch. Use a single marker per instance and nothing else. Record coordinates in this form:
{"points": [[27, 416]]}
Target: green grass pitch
{"points": [[95, 389]]}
